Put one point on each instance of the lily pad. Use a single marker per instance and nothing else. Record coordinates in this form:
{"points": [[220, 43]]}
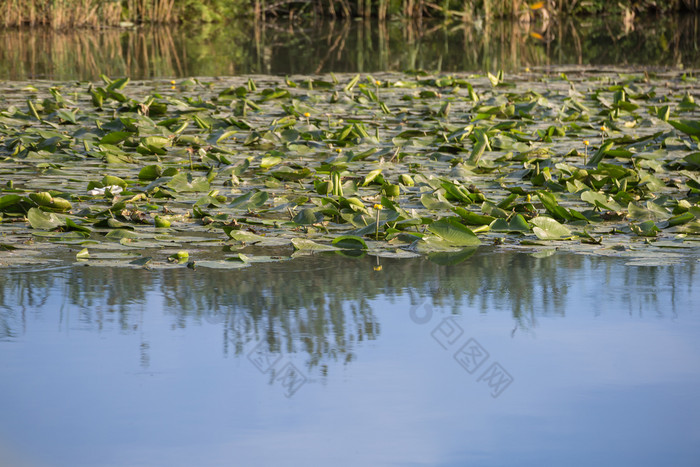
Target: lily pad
{"points": [[41, 220], [547, 228], [350, 242], [454, 233]]}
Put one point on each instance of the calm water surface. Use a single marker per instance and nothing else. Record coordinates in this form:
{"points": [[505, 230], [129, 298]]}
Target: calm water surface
{"points": [[285, 48], [504, 359]]}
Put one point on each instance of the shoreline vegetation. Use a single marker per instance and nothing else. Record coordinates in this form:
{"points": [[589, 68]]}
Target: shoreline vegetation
{"points": [[63, 14]]}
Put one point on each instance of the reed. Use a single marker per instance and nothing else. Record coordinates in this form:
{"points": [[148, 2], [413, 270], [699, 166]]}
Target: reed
{"points": [[465, 9], [61, 14], [153, 11]]}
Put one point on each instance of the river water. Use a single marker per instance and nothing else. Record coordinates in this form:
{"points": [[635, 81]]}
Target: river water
{"points": [[503, 359]]}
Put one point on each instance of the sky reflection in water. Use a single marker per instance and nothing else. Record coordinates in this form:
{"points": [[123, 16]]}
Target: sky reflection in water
{"points": [[111, 367]]}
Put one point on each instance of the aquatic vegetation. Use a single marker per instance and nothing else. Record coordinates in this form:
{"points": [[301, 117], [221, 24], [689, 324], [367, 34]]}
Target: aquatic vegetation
{"points": [[148, 172], [95, 13]]}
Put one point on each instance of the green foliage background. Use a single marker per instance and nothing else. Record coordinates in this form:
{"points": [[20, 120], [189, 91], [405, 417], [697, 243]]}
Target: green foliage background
{"points": [[94, 13]]}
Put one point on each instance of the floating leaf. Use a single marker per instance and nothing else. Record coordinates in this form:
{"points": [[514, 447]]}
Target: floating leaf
{"points": [[269, 161], [120, 234], [115, 137], [645, 229], [689, 127], [547, 228], [350, 242], [600, 200], [180, 257], [516, 224], [308, 216], [9, 200], [309, 245], [111, 180], [450, 230], [150, 172], [250, 201], [552, 205], [600, 153], [185, 183], [472, 218], [41, 220]]}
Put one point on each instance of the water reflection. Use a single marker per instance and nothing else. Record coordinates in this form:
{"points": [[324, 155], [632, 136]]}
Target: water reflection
{"points": [[103, 366], [322, 306], [345, 46]]}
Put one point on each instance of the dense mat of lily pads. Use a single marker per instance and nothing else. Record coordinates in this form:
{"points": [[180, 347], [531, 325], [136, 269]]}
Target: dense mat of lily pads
{"points": [[395, 165]]}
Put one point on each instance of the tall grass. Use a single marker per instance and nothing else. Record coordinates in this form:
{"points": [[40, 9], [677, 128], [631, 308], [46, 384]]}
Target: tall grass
{"points": [[152, 11], [465, 9], [61, 14]]}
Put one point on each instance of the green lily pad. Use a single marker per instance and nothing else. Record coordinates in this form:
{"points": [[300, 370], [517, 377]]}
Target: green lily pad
{"points": [[41, 220], [185, 183], [451, 231], [547, 228], [250, 201], [349, 242], [304, 244], [308, 216]]}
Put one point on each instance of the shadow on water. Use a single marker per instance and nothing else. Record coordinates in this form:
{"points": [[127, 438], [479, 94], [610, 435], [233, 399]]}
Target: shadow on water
{"points": [[345, 46], [324, 305]]}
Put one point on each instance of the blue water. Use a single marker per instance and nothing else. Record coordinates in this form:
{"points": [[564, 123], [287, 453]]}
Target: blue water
{"points": [[565, 360]]}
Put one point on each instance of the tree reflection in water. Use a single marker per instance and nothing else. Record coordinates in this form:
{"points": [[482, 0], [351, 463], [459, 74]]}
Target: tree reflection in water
{"points": [[345, 46], [323, 305]]}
